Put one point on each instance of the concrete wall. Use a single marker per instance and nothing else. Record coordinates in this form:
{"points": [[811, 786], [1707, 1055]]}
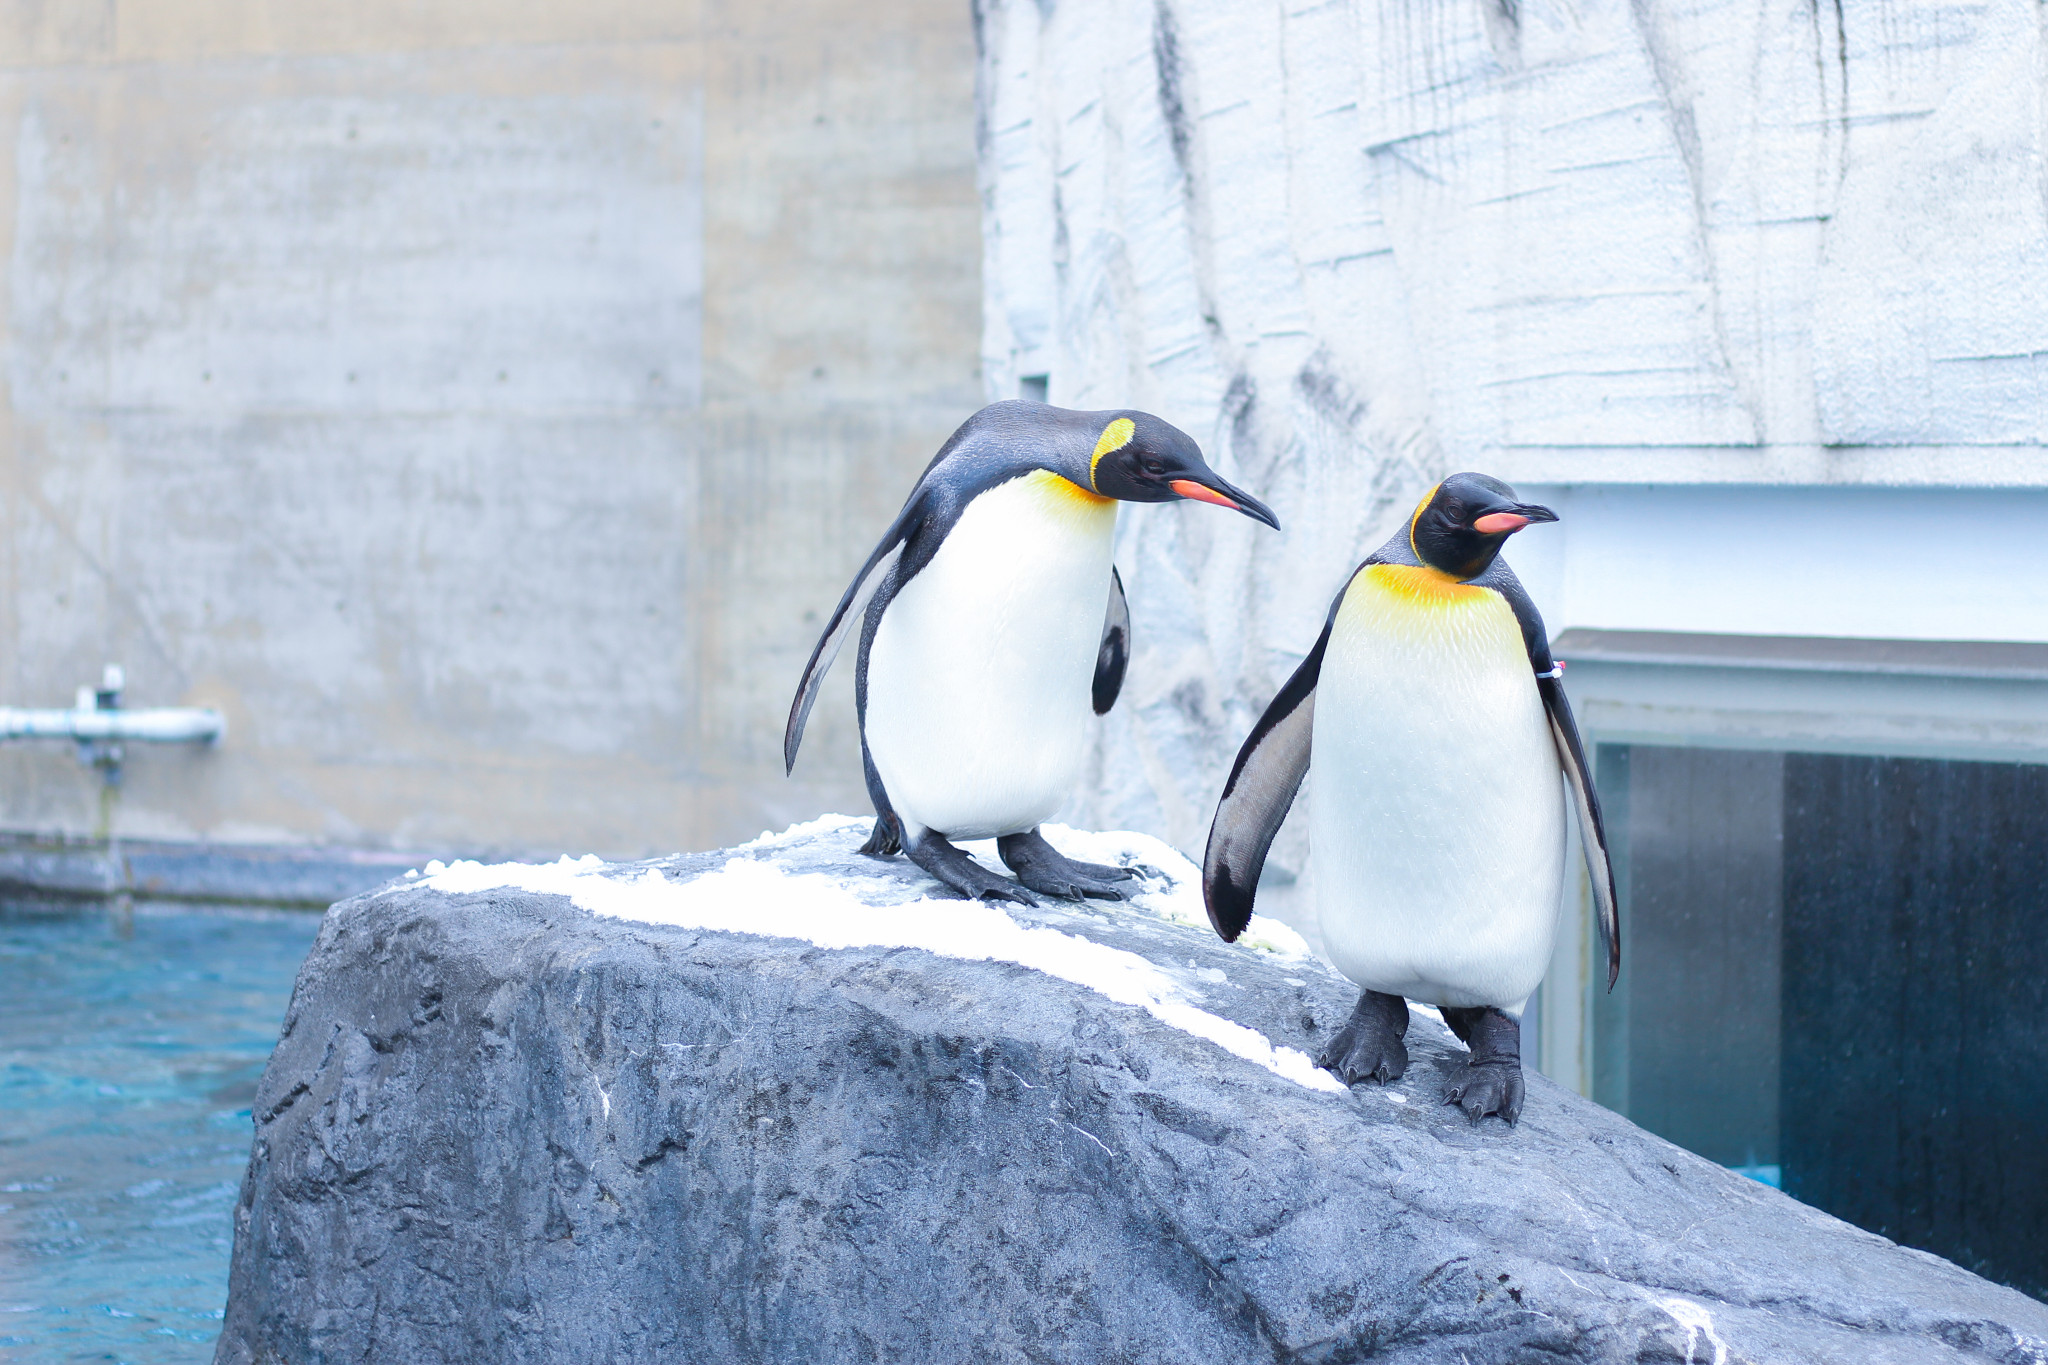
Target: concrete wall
{"points": [[479, 403]]}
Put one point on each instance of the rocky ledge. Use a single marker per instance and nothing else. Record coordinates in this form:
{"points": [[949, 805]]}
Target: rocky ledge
{"points": [[780, 1104]]}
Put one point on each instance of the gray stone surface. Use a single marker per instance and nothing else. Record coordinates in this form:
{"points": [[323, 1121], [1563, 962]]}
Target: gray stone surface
{"points": [[500, 1128]]}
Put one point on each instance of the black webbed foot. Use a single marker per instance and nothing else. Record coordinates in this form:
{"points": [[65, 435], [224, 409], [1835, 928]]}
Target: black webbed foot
{"points": [[962, 874], [1369, 1046], [1491, 1082], [1042, 867]]}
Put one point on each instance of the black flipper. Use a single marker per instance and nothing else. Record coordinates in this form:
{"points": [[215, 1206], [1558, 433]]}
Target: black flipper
{"points": [[852, 609], [1260, 791], [1115, 650], [1592, 830], [1571, 756]]}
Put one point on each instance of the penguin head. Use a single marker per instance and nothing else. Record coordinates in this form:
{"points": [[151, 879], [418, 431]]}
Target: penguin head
{"points": [[1139, 458], [1464, 521]]}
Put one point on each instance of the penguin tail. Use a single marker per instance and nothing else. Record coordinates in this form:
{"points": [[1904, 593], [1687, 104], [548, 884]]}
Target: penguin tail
{"points": [[882, 840]]}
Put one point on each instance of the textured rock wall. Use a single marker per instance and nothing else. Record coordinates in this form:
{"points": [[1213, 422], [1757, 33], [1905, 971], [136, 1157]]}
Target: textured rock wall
{"points": [[509, 1124], [1353, 246]]}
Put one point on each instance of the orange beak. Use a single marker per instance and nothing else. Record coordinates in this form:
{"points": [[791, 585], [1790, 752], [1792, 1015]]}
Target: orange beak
{"points": [[1188, 488], [1242, 502]]}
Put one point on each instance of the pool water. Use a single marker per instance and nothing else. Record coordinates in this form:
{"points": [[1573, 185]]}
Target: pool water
{"points": [[129, 1053]]}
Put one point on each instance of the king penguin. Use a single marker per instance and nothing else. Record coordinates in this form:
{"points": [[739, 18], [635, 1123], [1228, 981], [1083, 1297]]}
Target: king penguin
{"points": [[1440, 728], [984, 639]]}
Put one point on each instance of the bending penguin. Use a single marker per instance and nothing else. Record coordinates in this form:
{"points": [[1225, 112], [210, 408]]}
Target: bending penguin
{"points": [[984, 639], [1439, 726]]}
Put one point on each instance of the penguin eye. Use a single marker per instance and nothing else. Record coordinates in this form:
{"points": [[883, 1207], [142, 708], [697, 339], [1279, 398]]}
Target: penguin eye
{"points": [[1153, 467]]}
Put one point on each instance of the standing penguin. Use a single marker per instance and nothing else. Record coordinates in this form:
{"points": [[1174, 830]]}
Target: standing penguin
{"points": [[1436, 825], [983, 638]]}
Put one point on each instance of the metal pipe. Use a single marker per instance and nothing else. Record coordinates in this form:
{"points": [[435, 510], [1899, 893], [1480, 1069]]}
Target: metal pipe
{"points": [[98, 724], [163, 725]]}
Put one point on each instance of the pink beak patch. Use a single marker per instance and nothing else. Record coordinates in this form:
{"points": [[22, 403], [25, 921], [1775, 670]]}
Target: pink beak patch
{"points": [[1499, 523]]}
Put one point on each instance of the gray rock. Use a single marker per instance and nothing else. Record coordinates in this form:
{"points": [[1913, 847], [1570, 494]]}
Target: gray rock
{"points": [[498, 1127]]}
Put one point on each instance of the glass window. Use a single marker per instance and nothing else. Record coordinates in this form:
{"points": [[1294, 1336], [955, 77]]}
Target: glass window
{"points": [[1835, 977]]}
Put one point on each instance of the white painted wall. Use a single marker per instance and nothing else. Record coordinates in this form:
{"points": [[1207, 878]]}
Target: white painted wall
{"points": [[1759, 294], [1901, 563]]}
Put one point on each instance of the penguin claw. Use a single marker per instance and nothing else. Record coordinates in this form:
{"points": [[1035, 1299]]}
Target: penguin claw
{"points": [[1490, 1087], [1492, 1079], [1369, 1046], [979, 884], [1073, 889], [1356, 1059], [989, 887], [963, 876], [1045, 869], [1102, 872]]}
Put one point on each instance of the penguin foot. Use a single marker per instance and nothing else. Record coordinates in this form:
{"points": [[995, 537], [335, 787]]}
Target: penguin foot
{"points": [[962, 874], [1491, 1082], [882, 841], [1369, 1046], [1044, 868], [1488, 1088]]}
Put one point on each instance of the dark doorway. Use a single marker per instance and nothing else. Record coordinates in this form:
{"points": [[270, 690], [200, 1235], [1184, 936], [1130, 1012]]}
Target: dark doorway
{"points": [[1836, 978], [1915, 1081]]}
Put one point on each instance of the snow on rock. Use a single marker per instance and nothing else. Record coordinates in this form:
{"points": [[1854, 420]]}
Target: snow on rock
{"points": [[779, 1103], [754, 892], [1354, 246]]}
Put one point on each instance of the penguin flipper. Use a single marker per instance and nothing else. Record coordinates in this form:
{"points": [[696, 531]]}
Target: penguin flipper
{"points": [[852, 607], [1571, 754], [1257, 797], [1115, 650]]}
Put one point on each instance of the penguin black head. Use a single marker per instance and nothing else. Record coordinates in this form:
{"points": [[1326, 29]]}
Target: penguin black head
{"points": [[1139, 458], [1464, 521]]}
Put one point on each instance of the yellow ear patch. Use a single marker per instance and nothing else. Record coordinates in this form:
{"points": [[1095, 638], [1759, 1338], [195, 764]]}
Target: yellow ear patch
{"points": [[1420, 508], [1115, 436]]}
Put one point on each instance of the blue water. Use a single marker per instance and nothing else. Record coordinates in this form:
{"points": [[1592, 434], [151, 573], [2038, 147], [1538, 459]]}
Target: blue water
{"points": [[127, 1066]]}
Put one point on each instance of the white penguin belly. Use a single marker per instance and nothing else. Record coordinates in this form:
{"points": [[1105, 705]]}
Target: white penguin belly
{"points": [[980, 674], [1437, 809]]}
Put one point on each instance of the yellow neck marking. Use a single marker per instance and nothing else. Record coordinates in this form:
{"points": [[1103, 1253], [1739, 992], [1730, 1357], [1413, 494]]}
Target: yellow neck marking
{"points": [[1417, 586], [1064, 493], [1115, 436]]}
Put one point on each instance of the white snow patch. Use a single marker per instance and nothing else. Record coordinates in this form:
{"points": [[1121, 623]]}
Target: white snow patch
{"points": [[1181, 897], [751, 895], [807, 829], [1695, 1320]]}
